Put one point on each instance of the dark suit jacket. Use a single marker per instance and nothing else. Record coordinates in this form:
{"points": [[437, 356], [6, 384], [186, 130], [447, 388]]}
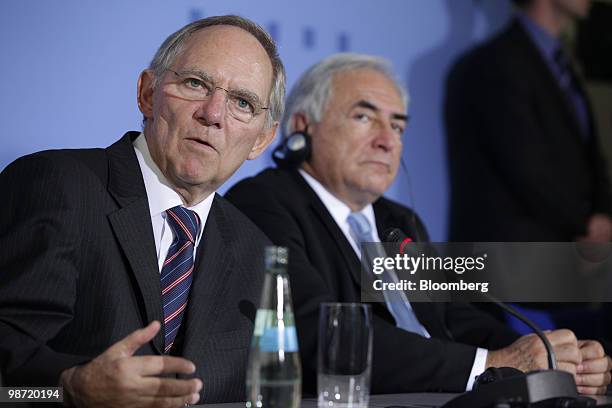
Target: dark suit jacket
{"points": [[323, 267], [519, 168], [79, 271]]}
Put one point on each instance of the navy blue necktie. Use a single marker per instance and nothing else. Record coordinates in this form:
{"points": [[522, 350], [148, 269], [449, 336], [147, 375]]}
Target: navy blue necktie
{"points": [[570, 86], [177, 271]]}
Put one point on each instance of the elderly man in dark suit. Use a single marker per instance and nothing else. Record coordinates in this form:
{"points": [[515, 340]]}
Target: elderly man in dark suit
{"points": [[96, 244], [355, 113]]}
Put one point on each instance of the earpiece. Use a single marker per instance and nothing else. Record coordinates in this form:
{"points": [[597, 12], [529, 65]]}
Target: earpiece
{"points": [[293, 150]]}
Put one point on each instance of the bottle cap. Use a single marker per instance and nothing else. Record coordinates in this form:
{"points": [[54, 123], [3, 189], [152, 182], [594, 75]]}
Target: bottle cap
{"points": [[275, 255]]}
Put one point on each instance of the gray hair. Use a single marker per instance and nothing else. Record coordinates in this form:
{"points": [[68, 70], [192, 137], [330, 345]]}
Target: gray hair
{"points": [[173, 46], [313, 89]]}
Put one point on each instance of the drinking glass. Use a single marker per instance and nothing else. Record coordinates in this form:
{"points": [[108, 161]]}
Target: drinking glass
{"points": [[344, 355]]}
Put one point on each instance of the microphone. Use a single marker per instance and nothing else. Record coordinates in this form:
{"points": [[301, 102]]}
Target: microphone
{"points": [[514, 390], [395, 235]]}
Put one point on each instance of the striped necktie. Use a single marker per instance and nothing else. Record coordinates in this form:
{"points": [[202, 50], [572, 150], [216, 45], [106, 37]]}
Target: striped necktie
{"points": [[177, 271], [397, 303]]}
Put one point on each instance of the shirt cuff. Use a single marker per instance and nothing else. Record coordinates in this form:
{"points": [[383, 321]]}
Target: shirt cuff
{"points": [[480, 361]]}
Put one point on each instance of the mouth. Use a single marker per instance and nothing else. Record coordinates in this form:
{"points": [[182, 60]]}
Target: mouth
{"points": [[377, 163], [199, 143]]}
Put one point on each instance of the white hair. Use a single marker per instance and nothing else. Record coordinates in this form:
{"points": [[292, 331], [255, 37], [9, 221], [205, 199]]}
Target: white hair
{"points": [[313, 89]]}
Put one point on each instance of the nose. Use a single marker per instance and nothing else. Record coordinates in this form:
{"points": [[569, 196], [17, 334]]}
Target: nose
{"points": [[212, 110], [386, 138]]}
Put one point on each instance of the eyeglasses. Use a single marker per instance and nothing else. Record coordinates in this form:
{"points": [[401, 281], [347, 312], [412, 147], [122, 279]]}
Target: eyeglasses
{"points": [[242, 105]]}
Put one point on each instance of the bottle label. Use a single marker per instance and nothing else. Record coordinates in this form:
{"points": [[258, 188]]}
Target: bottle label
{"points": [[273, 337], [276, 339], [263, 319]]}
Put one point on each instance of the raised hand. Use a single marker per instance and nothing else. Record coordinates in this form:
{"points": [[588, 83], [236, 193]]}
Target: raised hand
{"points": [[117, 378]]}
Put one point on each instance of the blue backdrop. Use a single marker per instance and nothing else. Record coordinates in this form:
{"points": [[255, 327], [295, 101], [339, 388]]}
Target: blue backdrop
{"points": [[69, 68]]}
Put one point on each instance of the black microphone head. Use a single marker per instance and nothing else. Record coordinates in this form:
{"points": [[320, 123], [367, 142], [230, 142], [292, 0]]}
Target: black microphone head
{"points": [[494, 374], [394, 235]]}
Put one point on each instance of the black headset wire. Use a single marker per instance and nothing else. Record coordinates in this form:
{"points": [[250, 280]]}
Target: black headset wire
{"points": [[411, 199]]}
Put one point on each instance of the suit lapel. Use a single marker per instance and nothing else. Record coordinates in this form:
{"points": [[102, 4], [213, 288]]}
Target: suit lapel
{"points": [[132, 226], [315, 204], [213, 271], [385, 220]]}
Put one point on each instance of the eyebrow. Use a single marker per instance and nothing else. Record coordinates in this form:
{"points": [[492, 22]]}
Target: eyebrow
{"points": [[240, 92], [369, 105]]}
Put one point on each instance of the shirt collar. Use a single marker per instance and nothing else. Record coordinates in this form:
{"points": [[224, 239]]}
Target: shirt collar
{"points": [[338, 210], [159, 193], [546, 43]]}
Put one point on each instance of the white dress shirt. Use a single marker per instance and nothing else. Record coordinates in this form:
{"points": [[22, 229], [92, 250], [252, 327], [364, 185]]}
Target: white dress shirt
{"points": [[162, 197], [340, 212]]}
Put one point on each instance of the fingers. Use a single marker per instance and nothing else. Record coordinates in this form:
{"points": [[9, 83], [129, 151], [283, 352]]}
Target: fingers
{"points": [[567, 367], [568, 353], [593, 374], [117, 378], [593, 380], [592, 390], [170, 387], [565, 345], [591, 349], [170, 402], [128, 345], [561, 336], [594, 366], [155, 365]]}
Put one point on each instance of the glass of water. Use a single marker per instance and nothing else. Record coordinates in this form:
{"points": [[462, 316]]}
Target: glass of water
{"points": [[344, 355]]}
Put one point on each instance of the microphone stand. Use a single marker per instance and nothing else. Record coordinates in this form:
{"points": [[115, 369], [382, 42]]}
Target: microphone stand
{"points": [[540, 388]]}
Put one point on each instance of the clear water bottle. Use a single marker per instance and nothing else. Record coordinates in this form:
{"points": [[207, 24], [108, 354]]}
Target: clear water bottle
{"points": [[274, 374]]}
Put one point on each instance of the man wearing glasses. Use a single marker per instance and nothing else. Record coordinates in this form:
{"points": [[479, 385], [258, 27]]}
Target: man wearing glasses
{"points": [[125, 277]]}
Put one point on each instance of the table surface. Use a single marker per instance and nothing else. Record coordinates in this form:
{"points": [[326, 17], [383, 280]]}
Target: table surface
{"points": [[417, 400]]}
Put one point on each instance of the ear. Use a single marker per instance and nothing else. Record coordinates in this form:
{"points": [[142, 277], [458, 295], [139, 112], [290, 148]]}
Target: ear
{"points": [[299, 122], [263, 140], [145, 93]]}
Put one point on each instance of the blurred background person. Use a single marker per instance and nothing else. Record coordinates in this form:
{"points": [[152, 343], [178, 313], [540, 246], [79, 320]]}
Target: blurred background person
{"points": [[525, 160]]}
